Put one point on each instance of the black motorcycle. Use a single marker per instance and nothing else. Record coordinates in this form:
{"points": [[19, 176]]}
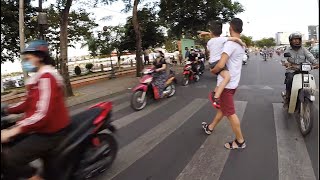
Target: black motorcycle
{"points": [[88, 150]]}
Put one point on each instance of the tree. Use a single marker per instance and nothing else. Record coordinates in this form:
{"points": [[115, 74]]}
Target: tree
{"points": [[79, 28], [93, 45], [10, 40], [268, 42], [190, 16], [247, 40], [151, 32], [137, 30], [64, 11]]}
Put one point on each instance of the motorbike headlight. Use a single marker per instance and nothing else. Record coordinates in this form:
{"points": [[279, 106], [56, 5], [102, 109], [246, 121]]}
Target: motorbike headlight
{"points": [[305, 78], [306, 67]]}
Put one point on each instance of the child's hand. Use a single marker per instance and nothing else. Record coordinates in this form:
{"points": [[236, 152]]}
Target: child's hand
{"points": [[203, 33]]}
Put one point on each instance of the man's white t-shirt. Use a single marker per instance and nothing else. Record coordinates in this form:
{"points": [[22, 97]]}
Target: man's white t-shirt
{"points": [[235, 52], [215, 46]]}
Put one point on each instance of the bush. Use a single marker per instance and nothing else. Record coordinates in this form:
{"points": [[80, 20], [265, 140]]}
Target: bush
{"points": [[89, 66], [77, 70]]}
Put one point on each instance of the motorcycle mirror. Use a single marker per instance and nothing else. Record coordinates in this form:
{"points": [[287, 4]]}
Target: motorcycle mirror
{"points": [[287, 54]]}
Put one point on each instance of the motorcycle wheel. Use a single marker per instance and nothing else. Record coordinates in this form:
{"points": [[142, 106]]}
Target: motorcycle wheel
{"points": [[185, 80], [305, 116], [136, 102], [88, 171], [172, 89], [196, 78]]}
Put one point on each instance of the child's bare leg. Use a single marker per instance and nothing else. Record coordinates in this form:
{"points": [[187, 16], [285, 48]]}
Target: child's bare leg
{"points": [[226, 78]]}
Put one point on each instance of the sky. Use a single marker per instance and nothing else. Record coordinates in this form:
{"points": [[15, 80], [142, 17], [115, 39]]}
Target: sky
{"points": [[262, 18]]}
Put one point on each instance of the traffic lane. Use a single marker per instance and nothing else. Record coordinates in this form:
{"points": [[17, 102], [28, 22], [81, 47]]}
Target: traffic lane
{"points": [[274, 77]]}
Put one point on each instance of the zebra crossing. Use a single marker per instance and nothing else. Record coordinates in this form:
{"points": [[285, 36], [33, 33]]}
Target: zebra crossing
{"points": [[175, 146]]}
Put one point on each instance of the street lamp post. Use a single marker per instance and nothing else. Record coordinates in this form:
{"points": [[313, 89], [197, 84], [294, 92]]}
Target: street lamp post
{"points": [[21, 33], [112, 75]]}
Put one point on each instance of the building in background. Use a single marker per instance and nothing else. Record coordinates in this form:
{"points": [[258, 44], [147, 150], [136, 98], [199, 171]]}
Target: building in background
{"points": [[312, 33]]}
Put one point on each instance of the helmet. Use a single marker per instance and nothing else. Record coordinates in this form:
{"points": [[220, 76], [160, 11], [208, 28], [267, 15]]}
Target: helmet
{"points": [[36, 46], [295, 36], [160, 50]]}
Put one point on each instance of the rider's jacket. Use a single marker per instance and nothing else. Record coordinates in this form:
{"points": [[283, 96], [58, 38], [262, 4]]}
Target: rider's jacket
{"points": [[44, 108], [299, 56]]}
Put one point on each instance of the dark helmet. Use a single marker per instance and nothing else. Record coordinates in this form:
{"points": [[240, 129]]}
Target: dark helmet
{"points": [[295, 36], [36, 46]]}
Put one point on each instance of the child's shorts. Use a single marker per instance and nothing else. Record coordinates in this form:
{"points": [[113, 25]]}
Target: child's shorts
{"points": [[212, 65]]}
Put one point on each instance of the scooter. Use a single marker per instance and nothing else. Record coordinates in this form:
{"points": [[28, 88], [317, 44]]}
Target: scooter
{"points": [[146, 89], [188, 74], [302, 96], [245, 59], [88, 150]]}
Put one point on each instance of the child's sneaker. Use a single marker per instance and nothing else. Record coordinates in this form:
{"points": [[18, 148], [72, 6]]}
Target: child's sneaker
{"points": [[216, 103]]}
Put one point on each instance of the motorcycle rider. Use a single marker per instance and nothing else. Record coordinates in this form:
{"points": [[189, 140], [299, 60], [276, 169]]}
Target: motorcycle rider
{"points": [[160, 75], [193, 57], [299, 55], [45, 120]]}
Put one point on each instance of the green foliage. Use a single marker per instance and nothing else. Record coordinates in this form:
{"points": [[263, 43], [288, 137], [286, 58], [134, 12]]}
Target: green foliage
{"points": [[248, 40], [80, 26], [10, 40], [151, 32], [170, 45], [89, 66], [77, 70], [190, 16], [268, 42]]}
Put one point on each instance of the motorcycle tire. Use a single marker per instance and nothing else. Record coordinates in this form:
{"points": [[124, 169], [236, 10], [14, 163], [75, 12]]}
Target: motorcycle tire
{"points": [[88, 171], [185, 81], [305, 116], [172, 91], [137, 106], [196, 78]]}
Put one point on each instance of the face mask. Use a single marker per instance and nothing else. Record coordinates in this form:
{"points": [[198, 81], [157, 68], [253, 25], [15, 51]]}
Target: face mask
{"points": [[28, 66], [158, 54]]}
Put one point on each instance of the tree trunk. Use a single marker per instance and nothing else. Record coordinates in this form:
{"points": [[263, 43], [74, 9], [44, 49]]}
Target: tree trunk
{"points": [[137, 31], [64, 47]]}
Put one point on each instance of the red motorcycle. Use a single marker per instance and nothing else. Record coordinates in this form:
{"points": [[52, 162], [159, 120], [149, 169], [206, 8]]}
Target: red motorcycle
{"points": [[146, 89], [88, 149], [188, 74]]}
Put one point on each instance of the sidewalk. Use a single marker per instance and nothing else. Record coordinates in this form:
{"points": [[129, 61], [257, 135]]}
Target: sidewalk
{"points": [[105, 87]]}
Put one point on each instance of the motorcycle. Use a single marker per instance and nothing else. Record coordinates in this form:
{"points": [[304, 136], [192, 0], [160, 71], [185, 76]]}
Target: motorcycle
{"points": [[88, 149], [302, 96], [264, 56], [245, 59], [201, 66], [146, 89], [188, 74]]}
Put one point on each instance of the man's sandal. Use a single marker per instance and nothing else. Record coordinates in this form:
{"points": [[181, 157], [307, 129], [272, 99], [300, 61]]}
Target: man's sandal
{"points": [[239, 145]]}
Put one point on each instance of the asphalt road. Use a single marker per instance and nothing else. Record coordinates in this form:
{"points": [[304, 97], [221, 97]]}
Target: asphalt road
{"points": [[165, 141]]}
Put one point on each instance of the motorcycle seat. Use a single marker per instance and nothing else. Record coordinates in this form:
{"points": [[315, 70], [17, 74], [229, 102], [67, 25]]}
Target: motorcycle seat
{"points": [[80, 123]]}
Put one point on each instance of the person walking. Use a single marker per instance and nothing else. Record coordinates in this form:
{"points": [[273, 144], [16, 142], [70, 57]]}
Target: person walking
{"points": [[232, 58]]}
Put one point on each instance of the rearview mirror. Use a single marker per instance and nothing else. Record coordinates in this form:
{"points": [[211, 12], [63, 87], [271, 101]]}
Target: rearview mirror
{"points": [[287, 54]]}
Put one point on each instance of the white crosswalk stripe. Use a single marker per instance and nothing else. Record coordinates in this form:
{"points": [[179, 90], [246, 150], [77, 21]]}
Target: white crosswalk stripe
{"points": [[293, 159], [142, 145], [208, 162]]}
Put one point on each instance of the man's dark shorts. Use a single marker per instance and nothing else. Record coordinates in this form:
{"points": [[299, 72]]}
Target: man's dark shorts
{"points": [[227, 102], [212, 65]]}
